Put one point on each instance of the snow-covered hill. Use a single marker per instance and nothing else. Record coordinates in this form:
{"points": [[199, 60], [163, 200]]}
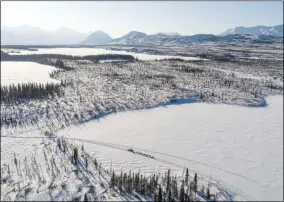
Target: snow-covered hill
{"points": [[97, 38], [256, 30]]}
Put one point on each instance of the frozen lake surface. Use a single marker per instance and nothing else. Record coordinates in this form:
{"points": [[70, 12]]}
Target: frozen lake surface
{"points": [[26, 72], [243, 140], [94, 51]]}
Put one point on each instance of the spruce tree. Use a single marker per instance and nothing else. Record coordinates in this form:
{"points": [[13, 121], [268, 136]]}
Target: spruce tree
{"points": [[186, 176], [181, 197], [112, 180], [160, 194], [170, 195], [120, 182], [208, 193], [195, 184], [195, 178], [175, 189], [75, 155], [86, 197], [86, 162], [168, 180], [15, 159], [96, 163], [59, 144]]}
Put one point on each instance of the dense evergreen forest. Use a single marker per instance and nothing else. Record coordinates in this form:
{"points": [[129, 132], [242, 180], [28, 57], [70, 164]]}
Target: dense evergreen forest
{"points": [[16, 93], [35, 57]]}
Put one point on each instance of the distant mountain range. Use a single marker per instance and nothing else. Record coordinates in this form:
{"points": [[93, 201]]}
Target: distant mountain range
{"points": [[27, 35], [256, 31], [272, 35]]}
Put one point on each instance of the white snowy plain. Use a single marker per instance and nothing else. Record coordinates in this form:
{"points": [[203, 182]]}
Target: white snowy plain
{"points": [[95, 51], [243, 140], [26, 72]]}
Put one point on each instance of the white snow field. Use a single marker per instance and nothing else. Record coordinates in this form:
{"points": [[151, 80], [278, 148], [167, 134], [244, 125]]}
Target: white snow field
{"points": [[246, 141], [94, 51], [26, 72]]}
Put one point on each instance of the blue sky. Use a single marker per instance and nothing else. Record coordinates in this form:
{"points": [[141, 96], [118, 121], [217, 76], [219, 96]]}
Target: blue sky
{"points": [[118, 18]]}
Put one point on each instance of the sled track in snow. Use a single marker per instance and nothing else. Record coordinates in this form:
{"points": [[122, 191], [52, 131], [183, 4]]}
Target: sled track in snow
{"points": [[125, 149]]}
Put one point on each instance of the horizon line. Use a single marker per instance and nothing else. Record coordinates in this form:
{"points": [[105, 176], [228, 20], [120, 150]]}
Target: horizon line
{"points": [[91, 32]]}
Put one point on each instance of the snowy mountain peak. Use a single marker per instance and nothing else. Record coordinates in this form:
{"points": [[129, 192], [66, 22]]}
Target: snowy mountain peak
{"points": [[97, 38], [134, 34], [133, 37]]}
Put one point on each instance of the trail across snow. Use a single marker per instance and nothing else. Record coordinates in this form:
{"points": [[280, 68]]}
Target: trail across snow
{"points": [[243, 140]]}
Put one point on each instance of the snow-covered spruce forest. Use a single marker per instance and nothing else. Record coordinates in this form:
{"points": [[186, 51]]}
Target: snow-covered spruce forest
{"points": [[91, 89], [56, 168]]}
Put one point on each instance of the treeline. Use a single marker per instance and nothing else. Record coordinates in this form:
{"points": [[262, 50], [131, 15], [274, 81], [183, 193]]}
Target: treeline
{"points": [[226, 57], [270, 84], [14, 93], [109, 57], [171, 59], [160, 188], [177, 59], [58, 64], [34, 57]]}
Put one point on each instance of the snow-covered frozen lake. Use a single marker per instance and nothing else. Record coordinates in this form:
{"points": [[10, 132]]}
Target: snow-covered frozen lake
{"points": [[243, 140], [26, 72], [94, 51]]}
